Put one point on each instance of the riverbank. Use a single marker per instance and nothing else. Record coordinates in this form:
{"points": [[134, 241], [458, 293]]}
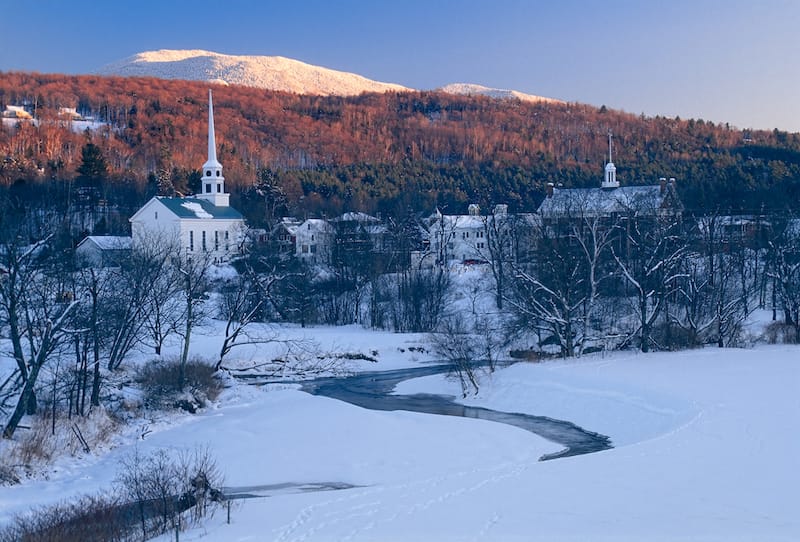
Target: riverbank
{"points": [[705, 448]]}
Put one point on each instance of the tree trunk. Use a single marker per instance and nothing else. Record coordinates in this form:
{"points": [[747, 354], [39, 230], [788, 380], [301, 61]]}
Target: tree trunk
{"points": [[26, 399], [645, 335]]}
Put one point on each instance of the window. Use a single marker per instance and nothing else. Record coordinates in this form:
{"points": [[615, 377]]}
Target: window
{"points": [[216, 240], [305, 249], [219, 188], [204, 242], [191, 241], [156, 215], [208, 173], [313, 249], [218, 173], [479, 234], [465, 235], [312, 237], [226, 240], [208, 188]]}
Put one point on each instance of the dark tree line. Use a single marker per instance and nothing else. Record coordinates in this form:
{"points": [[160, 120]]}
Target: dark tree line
{"points": [[375, 152]]}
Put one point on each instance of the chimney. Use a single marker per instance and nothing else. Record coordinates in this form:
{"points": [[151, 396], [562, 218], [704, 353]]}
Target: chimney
{"points": [[501, 209], [662, 182], [549, 189]]}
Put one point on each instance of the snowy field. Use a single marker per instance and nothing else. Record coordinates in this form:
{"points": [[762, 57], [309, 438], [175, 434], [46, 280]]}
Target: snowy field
{"points": [[706, 449]]}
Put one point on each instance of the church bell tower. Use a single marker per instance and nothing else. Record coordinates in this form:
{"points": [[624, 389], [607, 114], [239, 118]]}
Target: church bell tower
{"points": [[213, 183], [610, 181]]}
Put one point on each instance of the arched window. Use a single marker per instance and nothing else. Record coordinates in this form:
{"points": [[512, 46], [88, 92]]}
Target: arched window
{"points": [[218, 173], [208, 173]]}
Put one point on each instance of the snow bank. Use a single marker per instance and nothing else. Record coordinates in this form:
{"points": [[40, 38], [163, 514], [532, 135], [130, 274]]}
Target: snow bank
{"points": [[706, 449]]}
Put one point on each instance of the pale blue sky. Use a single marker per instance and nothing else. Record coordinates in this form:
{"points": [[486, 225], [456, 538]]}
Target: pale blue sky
{"points": [[730, 61]]}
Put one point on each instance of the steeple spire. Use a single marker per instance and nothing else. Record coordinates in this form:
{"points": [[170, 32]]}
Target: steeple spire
{"points": [[610, 180], [609, 137], [213, 183], [212, 144]]}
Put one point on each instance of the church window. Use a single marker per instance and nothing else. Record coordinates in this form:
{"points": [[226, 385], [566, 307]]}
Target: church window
{"points": [[191, 241], [204, 242], [218, 173], [208, 188], [216, 240], [156, 215], [208, 173], [226, 240], [219, 188]]}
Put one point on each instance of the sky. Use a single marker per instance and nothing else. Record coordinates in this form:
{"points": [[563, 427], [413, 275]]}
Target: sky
{"points": [[734, 61]]}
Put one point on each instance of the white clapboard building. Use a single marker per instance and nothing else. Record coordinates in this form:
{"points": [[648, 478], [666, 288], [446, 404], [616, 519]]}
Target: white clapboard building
{"points": [[203, 225]]}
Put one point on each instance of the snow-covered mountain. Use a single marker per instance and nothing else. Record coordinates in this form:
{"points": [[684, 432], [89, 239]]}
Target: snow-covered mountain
{"points": [[275, 73], [471, 89], [269, 72]]}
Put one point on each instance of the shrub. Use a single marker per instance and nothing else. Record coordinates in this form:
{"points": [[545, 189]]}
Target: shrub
{"points": [[162, 386], [152, 495], [780, 333]]}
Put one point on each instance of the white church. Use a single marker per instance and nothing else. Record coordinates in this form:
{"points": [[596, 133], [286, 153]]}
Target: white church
{"points": [[204, 225]]}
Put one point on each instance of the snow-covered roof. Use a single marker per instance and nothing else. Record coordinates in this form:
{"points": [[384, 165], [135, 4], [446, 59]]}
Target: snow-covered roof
{"points": [[199, 208], [356, 217], [109, 242], [317, 224], [463, 221], [599, 201]]}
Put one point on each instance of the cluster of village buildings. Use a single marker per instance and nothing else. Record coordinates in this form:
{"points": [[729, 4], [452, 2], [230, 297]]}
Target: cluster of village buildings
{"points": [[205, 225]]}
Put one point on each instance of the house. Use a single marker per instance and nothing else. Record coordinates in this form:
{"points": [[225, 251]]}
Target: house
{"points": [[203, 225], [103, 250], [282, 237], [356, 226], [314, 239], [16, 112]]}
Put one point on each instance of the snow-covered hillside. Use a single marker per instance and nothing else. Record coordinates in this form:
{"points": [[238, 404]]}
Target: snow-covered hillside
{"points": [[470, 89], [276, 73], [269, 72]]}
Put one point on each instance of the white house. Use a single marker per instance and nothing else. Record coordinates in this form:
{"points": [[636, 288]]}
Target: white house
{"points": [[314, 239], [204, 225], [103, 250], [460, 237]]}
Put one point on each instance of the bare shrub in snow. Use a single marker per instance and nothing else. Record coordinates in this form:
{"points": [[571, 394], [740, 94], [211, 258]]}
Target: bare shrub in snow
{"points": [[35, 446], [161, 487], [169, 383], [90, 518], [460, 348], [780, 333], [154, 494]]}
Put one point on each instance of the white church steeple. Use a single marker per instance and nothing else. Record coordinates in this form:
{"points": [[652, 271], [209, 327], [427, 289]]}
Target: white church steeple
{"points": [[610, 180], [213, 183]]}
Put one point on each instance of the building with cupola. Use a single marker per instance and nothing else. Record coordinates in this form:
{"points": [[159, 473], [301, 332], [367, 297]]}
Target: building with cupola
{"points": [[203, 225], [609, 200]]}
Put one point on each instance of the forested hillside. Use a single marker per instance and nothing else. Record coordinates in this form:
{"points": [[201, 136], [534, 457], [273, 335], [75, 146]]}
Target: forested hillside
{"points": [[388, 153]]}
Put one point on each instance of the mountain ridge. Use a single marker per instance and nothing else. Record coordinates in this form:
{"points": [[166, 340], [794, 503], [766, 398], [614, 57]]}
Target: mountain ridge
{"points": [[277, 73], [268, 72]]}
